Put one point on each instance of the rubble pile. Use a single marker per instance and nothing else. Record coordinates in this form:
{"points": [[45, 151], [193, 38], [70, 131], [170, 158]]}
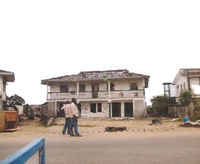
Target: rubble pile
{"points": [[115, 129]]}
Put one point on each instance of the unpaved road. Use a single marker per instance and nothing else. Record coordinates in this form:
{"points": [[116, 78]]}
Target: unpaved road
{"points": [[139, 149]]}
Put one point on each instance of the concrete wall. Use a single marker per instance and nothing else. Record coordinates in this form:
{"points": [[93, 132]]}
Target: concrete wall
{"points": [[51, 109], [125, 85], [2, 91], [181, 84], [138, 105], [54, 88], [1, 86], [195, 85], [139, 108], [85, 110], [119, 85]]}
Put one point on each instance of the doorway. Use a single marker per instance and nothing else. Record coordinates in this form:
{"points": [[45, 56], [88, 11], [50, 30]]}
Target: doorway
{"points": [[128, 109], [116, 109]]}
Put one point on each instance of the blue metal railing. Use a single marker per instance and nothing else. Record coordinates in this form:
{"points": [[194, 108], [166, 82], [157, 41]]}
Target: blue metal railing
{"points": [[24, 154]]}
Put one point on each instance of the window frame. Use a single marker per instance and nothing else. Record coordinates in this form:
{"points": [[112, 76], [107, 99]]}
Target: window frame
{"points": [[82, 88], [95, 111], [99, 110], [64, 89], [135, 88]]}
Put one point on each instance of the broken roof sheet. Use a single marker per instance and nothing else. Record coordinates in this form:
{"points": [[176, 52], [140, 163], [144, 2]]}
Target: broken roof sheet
{"points": [[8, 76], [96, 76]]}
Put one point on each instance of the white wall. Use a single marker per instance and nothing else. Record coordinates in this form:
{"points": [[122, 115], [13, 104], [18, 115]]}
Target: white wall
{"points": [[195, 85], [2, 91], [54, 88], [1, 87], [181, 84], [119, 85], [103, 86], [125, 85], [72, 87], [85, 110], [88, 87]]}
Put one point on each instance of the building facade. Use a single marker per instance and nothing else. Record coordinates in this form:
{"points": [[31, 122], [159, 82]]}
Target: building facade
{"points": [[188, 79], [112, 93], [5, 77]]}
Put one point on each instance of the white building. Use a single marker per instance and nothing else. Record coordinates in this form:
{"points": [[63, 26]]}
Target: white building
{"points": [[112, 93], [188, 79]]}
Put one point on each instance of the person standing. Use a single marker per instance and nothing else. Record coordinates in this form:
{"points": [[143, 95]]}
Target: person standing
{"points": [[75, 112], [68, 119]]}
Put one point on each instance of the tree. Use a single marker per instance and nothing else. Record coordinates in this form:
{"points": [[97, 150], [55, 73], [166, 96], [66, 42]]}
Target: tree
{"points": [[160, 105], [186, 98]]}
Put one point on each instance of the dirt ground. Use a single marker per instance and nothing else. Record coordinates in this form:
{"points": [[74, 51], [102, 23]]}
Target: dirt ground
{"points": [[96, 127], [142, 143]]}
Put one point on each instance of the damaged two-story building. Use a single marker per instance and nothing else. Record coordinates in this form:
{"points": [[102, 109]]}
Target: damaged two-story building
{"points": [[112, 93]]}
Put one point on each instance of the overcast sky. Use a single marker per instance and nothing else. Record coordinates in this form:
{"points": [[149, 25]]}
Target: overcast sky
{"points": [[43, 38]]}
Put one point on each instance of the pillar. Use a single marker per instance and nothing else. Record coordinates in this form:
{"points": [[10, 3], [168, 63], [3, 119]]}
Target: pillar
{"points": [[109, 89], [122, 109], [77, 89], [134, 109]]}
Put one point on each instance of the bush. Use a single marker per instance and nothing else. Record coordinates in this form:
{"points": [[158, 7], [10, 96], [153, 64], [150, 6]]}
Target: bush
{"points": [[185, 98], [149, 110]]}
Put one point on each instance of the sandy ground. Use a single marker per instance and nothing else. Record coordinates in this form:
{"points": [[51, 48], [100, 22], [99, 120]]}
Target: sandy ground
{"points": [[141, 143]]}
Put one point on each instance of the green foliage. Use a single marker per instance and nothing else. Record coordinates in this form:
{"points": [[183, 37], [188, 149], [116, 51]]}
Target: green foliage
{"points": [[195, 118], [185, 98], [160, 105], [149, 110]]}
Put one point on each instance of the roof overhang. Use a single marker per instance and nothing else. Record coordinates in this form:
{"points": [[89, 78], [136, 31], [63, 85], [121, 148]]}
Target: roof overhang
{"points": [[8, 76]]}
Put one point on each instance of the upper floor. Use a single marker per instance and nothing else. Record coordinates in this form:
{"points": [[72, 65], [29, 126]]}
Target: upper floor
{"points": [[188, 79], [97, 85]]}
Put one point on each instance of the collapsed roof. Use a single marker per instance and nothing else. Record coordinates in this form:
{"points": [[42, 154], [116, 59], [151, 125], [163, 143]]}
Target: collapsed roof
{"points": [[97, 76]]}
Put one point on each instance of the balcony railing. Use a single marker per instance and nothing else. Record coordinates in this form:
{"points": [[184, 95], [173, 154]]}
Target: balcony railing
{"points": [[100, 95]]}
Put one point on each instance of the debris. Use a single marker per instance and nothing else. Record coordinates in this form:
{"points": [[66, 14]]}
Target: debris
{"points": [[191, 124], [50, 121], [156, 122], [115, 129]]}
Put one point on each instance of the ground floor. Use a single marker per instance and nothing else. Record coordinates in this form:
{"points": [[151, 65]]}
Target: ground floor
{"points": [[104, 108]]}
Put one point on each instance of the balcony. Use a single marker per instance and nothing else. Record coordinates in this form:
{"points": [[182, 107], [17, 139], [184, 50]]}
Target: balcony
{"points": [[97, 95]]}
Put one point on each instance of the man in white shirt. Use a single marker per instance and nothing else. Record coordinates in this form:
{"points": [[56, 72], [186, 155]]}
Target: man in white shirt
{"points": [[71, 118], [65, 108], [75, 113]]}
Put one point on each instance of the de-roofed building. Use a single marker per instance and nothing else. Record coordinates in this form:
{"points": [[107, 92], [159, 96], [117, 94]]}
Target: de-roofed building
{"points": [[111, 93]]}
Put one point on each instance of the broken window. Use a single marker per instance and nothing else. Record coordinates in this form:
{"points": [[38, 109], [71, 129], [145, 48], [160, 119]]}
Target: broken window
{"points": [[133, 86], [64, 88], [82, 88], [112, 87], [93, 108], [99, 107]]}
